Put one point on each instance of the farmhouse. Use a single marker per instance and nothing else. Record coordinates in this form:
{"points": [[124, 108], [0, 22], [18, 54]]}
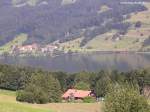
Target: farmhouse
{"points": [[76, 94]]}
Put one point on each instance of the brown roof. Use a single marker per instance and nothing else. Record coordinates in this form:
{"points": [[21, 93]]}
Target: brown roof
{"points": [[76, 93]]}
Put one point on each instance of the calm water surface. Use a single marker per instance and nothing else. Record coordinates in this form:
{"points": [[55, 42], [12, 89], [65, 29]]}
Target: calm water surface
{"points": [[83, 62]]}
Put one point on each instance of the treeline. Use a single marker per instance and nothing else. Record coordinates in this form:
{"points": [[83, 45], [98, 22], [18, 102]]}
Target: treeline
{"points": [[39, 86]]}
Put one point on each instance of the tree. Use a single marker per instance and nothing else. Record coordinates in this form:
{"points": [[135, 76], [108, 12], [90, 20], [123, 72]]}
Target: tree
{"points": [[62, 78], [32, 94], [42, 88], [82, 86], [82, 76], [125, 99], [102, 87]]}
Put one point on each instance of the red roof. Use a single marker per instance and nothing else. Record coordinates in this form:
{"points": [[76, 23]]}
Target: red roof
{"points": [[76, 93]]}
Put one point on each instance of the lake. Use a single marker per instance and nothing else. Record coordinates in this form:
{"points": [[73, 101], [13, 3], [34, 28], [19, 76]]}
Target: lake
{"points": [[95, 61]]}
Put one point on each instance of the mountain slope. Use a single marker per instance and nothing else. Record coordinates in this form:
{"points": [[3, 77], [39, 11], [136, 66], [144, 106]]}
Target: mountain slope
{"points": [[135, 39], [45, 21]]}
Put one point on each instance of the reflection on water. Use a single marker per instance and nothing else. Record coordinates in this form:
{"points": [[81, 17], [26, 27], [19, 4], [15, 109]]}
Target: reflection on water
{"points": [[84, 62]]}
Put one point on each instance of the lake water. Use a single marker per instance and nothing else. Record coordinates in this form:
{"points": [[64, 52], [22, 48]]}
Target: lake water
{"points": [[84, 62]]}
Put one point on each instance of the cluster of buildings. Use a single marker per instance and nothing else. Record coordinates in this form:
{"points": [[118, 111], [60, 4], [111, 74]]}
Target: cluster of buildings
{"points": [[35, 48]]}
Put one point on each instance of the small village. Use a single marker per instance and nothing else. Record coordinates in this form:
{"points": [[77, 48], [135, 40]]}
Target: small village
{"points": [[36, 50]]}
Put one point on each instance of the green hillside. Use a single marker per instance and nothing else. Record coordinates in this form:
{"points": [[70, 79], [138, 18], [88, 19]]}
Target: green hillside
{"points": [[132, 41]]}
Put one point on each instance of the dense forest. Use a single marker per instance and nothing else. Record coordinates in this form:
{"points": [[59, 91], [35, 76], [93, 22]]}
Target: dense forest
{"points": [[56, 21], [38, 86]]}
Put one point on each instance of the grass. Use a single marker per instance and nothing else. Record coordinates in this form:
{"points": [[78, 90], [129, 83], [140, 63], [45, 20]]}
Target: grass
{"points": [[8, 103], [19, 40], [132, 41], [149, 101], [73, 45], [6, 92], [15, 107], [74, 107], [128, 42]]}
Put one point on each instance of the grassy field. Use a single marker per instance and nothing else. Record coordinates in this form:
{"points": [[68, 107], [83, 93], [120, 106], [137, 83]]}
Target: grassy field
{"points": [[105, 42], [8, 103], [8, 93], [73, 45]]}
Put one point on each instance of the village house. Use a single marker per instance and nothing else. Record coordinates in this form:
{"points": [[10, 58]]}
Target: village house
{"points": [[77, 94], [48, 48], [28, 48]]}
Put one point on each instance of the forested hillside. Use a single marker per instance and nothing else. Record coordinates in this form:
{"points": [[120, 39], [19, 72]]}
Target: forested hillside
{"points": [[45, 21]]}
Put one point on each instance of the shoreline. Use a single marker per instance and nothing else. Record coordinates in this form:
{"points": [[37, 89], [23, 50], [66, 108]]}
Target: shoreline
{"points": [[80, 52]]}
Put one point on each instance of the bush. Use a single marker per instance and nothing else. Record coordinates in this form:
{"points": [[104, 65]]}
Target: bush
{"points": [[125, 99], [102, 86], [89, 100], [32, 94], [25, 97]]}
